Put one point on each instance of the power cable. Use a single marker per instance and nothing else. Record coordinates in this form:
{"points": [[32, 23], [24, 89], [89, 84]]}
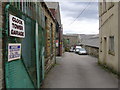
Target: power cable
{"points": [[81, 13]]}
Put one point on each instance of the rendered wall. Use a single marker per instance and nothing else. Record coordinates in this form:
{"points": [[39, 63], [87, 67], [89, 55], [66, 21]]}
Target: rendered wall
{"points": [[108, 27]]}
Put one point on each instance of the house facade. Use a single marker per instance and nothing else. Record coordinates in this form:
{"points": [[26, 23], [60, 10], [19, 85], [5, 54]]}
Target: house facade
{"points": [[109, 34], [71, 40], [55, 10]]}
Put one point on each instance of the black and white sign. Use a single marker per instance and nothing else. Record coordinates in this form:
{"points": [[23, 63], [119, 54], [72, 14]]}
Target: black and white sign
{"points": [[16, 26], [14, 51]]}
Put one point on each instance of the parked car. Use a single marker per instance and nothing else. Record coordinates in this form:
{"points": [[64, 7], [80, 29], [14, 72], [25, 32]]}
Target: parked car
{"points": [[77, 49], [82, 51], [71, 49]]}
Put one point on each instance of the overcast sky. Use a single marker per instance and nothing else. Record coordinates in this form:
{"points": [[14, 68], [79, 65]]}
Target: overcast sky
{"points": [[87, 23]]}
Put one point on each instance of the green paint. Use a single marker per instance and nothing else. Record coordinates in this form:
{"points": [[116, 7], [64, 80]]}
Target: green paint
{"points": [[16, 75], [37, 57], [6, 53], [16, 72], [43, 54], [1, 29], [1, 32]]}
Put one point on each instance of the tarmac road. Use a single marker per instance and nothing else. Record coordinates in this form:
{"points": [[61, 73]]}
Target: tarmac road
{"points": [[79, 71]]}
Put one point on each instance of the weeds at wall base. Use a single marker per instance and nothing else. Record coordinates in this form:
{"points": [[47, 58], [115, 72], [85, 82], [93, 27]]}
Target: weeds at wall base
{"points": [[108, 69]]}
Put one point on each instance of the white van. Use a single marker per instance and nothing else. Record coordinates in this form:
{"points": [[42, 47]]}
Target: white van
{"points": [[77, 48]]}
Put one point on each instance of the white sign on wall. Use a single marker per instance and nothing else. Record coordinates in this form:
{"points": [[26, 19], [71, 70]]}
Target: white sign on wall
{"points": [[14, 51], [16, 26], [57, 43]]}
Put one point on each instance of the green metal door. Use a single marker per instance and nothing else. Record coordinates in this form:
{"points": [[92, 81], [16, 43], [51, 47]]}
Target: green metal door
{"points": [[28, 71], [41, 34], [40, 52]]}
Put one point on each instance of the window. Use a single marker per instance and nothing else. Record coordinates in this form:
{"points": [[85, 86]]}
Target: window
{"points": [[111, 45], [112, 2], [46, 41], [51, 37], [101, 45], [45, 22], [104, 6], [100, 8], [68, 41]]}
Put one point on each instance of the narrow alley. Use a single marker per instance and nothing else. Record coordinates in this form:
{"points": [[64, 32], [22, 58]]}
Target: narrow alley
{"points": [[59, 43], [79, 71]]}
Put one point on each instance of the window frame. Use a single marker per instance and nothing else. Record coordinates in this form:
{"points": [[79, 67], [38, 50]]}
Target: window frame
{"points": [[112, 45]]}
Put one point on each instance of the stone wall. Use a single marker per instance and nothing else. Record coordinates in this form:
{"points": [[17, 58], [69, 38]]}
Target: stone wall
{"points": [[73, 40], [1, 60], [50, 38], [49, 60], [93, 51]]}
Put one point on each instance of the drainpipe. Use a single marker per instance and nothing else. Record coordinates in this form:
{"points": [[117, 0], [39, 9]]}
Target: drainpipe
{"points": [[5, 43], [55, 42], [37, 53]]}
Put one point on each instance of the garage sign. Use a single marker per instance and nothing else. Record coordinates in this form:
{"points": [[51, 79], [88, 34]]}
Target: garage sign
{"points": [[14, 51], [16, 26]]}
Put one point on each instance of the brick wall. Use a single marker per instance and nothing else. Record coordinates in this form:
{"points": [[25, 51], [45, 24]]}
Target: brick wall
{"points": [[1, 69]]}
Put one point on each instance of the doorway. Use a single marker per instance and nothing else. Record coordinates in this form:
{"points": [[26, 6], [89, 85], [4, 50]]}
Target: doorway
{"points": [[105, 49]]}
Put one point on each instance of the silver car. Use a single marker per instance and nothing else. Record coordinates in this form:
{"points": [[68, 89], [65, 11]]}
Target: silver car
{"points": [[82, 51]]}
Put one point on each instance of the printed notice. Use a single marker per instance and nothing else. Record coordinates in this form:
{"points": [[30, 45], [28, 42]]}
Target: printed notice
{"points": [[14, 51], [16, 26], [57, 43]]}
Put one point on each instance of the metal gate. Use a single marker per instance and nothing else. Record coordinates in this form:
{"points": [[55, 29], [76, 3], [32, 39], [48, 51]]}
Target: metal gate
{"points": [[28, 71]]}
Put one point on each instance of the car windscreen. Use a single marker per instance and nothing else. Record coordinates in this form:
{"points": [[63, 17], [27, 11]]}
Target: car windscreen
{"points": [[82, 49]]}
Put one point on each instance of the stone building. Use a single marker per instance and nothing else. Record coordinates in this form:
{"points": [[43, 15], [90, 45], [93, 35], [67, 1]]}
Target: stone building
{"points": [[55, 10], [109, 30], [71, 40], [1, 49], [90, 43], [50, 26], [36, 50]]}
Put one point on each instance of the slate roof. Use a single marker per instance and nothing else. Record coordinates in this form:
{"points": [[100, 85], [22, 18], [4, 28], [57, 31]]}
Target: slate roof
{"points": [[55, 5], [52, 4], [90, 40]]}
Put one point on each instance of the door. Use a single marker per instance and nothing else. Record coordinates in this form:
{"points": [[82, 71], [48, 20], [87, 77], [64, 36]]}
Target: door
{"points": [[105, 49], [41, 46], [21, 72]]}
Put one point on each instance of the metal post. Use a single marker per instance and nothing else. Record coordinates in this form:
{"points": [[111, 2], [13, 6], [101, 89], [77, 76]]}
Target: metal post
{"points": [[37, 52], [37, 57]]}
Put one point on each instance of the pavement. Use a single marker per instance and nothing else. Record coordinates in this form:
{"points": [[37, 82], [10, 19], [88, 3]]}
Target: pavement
{"points": [[79, 71]]}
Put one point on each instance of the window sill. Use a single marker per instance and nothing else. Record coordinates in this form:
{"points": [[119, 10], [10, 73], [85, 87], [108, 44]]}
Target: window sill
{"points": [[112, 53]]}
